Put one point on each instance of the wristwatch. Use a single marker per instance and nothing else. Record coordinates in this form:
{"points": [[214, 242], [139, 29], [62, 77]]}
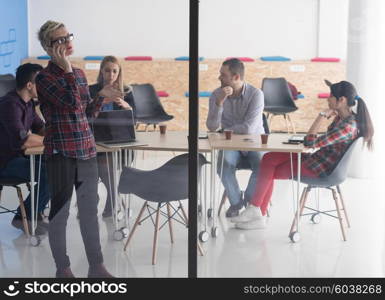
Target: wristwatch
{"points": [[322, 114]]}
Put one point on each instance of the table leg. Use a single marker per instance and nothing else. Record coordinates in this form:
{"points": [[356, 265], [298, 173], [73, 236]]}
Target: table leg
{"points": [[298, 187], [110, 185], [32, 175]]}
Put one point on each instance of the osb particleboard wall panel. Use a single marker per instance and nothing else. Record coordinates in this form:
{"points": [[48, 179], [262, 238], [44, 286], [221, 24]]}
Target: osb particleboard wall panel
{"points": [[172, 77]]}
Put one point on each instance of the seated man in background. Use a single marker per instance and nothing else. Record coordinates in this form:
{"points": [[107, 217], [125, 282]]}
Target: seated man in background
{"points": [[21, 128], [238, 106]]}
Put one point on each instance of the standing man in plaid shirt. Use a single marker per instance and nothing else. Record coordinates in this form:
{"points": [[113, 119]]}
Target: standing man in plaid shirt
{"points": [[70, 148], [345, 128]]}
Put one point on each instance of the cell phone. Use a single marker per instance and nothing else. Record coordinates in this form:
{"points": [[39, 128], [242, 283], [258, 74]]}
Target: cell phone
{"points": [[292, 143]]}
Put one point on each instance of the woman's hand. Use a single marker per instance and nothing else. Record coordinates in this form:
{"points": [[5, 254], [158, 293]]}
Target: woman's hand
{"points": [[329, 113], [122, 103], [109, 91], [318, 121]]}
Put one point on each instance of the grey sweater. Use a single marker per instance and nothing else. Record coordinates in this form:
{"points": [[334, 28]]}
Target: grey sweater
{"points": [[242, 114]]}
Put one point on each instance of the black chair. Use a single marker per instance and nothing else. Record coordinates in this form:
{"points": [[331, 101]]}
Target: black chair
{"points": [[163, 185], [148, 108], [331, 182], [7, 83], [242, 165], [278, 100], [15, 183]]}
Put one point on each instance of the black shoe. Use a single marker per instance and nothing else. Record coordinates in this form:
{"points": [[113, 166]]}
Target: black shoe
{"points": [[107, 213], [64, 273], [233, 211], [99, 271], [17, 222]]}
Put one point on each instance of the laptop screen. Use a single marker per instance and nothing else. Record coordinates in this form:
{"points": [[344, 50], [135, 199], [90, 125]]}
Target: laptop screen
{"points": [[114, 126]]}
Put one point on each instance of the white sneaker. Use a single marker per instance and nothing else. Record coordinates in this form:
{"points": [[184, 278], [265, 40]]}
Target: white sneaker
{"points": [[251, 213], [256, 224]]}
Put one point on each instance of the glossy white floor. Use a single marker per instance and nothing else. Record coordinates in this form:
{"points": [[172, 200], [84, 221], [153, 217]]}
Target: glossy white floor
{"points": [[234, 253]]}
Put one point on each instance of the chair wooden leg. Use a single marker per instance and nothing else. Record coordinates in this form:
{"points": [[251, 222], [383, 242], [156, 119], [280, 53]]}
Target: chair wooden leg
{"points": [[23, 212], [343, 206], [224, 198], [156, 231], [339, 214], [146, 127], [184, 213], [135, 225], [287, 124], [291, 124], [170, 223], [200, 249], [302, 203]]}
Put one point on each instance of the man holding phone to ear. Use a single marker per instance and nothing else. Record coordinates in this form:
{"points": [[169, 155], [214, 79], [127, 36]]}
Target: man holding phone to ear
{"points": [[237, 106], [70, 148]]}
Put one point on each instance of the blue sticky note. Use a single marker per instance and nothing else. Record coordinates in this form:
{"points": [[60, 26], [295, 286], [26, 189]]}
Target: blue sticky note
{"points": [[95, 57], [201, 94], [187, 58], [274, 58], [44, 57], [300, 96]]}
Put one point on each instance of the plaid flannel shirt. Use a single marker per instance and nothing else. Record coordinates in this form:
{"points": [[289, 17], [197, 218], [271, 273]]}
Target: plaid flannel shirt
{"points": [[66, 105], [333, 144]]}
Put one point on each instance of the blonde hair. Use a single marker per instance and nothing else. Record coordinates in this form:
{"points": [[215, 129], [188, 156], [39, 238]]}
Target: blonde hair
{"points": [[114, 60], [44, 34]]}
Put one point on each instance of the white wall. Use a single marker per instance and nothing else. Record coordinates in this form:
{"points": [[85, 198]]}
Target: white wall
{"points": [[258, 28], [120, 27], [333, 29], [227, 27]]}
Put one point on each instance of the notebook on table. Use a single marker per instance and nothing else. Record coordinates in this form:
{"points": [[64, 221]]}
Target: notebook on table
{"points": [[296, 138], [115, 129]]}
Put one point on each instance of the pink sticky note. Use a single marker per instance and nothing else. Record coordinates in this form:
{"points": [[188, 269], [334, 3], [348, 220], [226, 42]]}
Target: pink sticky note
{"points": [[323, 95]]}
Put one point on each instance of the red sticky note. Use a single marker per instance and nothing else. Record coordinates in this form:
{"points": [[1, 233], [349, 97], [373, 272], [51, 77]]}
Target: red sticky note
{"points": [[138, 58], [247, 59], [162, 94], [323, 95], [325, 59]]}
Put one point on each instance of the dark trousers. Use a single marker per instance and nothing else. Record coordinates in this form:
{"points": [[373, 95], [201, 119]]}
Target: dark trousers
{"points": [[63, 173]]}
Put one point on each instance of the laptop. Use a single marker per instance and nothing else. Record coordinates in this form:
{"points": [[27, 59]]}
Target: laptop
{"points": [[115, 129]]}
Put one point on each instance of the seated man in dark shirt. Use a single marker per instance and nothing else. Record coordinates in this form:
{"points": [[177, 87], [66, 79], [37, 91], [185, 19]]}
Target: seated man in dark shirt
{"points": [[21, 128]]}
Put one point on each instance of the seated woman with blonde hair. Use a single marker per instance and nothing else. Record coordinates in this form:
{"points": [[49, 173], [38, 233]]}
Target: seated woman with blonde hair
{"points": [[110, 74]]}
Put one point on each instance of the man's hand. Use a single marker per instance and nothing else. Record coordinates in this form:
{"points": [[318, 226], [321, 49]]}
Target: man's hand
{"points": [[58, 53], [223, 94]]}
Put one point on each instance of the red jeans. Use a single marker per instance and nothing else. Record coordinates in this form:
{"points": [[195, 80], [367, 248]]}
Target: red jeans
{"points": [[274, 165]]}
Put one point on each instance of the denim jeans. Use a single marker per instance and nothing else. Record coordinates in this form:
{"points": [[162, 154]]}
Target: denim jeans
{"points": [[20, 167], [229, 180]]}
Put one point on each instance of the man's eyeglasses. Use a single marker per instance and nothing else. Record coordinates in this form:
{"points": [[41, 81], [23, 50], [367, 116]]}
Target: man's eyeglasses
{"points": [[62, 40]]}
